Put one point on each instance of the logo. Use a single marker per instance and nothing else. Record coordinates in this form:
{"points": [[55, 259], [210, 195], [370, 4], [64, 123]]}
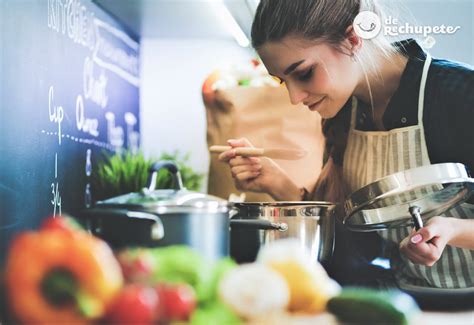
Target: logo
{"points": [[394, 28], [367, 24]]}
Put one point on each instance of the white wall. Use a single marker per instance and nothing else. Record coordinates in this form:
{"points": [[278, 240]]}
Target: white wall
{"points": [[172, 112], [456, 47]]}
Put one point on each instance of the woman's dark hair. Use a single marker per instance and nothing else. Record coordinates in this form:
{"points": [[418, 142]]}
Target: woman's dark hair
{"points": [[312, 19], [322, 21]]}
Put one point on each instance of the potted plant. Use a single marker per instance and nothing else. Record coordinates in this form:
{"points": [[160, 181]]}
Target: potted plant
{"points": [[127, 172]]}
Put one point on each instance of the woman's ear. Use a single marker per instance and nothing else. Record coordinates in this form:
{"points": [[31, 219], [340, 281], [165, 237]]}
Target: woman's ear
{"points": [[354, 41]]}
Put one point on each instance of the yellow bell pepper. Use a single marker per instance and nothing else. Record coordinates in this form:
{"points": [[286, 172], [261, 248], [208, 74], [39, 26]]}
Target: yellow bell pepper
{"points": [[56, 276]]}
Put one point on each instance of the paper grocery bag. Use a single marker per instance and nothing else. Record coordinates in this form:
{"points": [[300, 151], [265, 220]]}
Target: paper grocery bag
{"points": [[266, 117]]}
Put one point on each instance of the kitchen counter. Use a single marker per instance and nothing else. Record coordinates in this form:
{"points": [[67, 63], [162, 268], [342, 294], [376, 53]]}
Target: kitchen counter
{"points": [[425, 318], [451, 318]]}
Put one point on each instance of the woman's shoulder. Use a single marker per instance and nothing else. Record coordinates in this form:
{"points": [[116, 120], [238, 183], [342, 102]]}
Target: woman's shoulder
{"points": [[449, 112], [451, 80]]}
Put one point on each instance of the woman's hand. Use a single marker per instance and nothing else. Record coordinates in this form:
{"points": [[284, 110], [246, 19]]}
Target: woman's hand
{"points": [[426, 245], [259, 174]]}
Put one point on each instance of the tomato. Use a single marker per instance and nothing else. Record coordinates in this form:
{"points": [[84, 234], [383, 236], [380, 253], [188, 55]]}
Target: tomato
{"points": [[135, 304], [178, 301], [137, 265]]}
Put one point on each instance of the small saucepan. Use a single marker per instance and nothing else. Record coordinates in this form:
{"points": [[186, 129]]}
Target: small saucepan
{"points": [[312, 223]]}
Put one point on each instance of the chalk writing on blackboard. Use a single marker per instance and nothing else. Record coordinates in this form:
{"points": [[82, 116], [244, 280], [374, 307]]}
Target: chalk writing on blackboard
{"points": [[56, 199], [115, 133], [121, 60], [93, 142], [86, 125], [56, 113], [69, 64], [88, 162], [74, 20], [88, 170], [132, 135], [95, 89]]}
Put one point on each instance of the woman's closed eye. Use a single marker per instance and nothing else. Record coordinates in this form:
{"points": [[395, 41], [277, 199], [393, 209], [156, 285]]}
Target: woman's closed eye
{"points": [[305, 75]]}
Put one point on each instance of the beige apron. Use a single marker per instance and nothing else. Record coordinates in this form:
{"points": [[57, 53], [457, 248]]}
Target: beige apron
{"points": [[371, 155]]}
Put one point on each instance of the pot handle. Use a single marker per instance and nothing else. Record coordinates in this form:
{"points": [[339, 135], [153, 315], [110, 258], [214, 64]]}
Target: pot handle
{"points": [[171, 167], [233, 212], [157, 230], [258, 224]]}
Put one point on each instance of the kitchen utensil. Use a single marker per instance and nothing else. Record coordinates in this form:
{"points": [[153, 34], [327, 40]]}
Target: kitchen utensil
{"points": [[189, 218], [415, 213], [410, 196], [275, 153], [312, 223]]}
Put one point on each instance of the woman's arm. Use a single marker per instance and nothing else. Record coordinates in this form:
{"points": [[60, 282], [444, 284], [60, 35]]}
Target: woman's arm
{"points": [[427, 244], [260, 174], [463, 233], [286, 190]]}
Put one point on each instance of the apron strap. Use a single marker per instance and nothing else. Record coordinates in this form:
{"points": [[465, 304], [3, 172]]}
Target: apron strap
{"points": [[421, 95]]}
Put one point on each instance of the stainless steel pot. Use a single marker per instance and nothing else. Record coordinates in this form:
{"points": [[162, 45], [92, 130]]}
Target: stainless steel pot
{"points": [[163, 217], [312, 223]]}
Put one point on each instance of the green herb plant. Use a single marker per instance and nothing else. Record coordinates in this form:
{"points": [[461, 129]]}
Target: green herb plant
{"points": [[126, 172]]}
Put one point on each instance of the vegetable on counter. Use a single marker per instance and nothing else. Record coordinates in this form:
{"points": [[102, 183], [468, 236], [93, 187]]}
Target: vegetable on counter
{"points": [[186, 283], [283, 282], [367, 306], [214, 313], [309, 284], [138, 265], [254, 290], [174, 264], [135, 304], [178, 301], [59, 275]]}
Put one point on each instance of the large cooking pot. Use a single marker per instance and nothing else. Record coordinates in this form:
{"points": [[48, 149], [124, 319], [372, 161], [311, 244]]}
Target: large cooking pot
{"points": [[312, 223], [163, 217]]}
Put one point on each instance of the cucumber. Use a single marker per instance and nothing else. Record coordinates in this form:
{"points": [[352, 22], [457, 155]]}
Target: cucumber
{"points": [[367, 306]]}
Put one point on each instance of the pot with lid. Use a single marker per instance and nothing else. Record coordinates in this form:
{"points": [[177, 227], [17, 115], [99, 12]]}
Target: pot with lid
{"points": [[163, 217]]}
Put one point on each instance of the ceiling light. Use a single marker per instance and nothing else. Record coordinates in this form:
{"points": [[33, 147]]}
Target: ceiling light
{"points": [[231, 24]]}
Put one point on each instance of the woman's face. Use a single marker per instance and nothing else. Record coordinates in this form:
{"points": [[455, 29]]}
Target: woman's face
{"points": [[319, 76]]}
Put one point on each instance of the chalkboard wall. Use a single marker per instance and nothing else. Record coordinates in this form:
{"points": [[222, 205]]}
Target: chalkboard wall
{"points": [[69, 91]]}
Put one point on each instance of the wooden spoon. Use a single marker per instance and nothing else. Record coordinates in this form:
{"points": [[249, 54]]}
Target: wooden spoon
{"points": [[275, 153]]}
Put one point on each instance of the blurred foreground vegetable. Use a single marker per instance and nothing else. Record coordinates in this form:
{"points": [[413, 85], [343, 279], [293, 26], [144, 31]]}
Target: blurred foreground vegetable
{"points": [[178, 301], [367, 306], [59, 275], [135, 304], [186, 282], [254, 290], [309, 284]]}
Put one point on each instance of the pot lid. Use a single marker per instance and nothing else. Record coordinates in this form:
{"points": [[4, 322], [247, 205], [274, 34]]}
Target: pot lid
{"points": [[408, 197], [177, 200], [152, 200]]}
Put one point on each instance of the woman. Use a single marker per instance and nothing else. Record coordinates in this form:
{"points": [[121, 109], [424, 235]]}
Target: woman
{"points": [[385, 108]]}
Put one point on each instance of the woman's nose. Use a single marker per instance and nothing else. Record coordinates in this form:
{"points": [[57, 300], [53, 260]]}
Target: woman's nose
{"points": [[297, 94]]}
